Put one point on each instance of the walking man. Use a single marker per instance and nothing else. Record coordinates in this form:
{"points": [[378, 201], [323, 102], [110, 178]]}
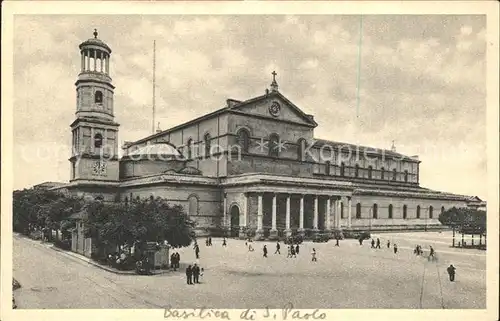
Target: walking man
{"points": [[378, 243], [292, 251], [177, 259], [224, 242], [197, 251], [313, 255], [336, 241], [373, 244], [388, 244], [196, 273], [265, 250], [277, 248], [173, 265], [395, 248], [451, 272], [296, 249], [189, 275]]}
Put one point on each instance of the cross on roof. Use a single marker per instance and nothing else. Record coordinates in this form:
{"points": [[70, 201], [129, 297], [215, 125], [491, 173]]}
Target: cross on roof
{"points": [[274, 75]]}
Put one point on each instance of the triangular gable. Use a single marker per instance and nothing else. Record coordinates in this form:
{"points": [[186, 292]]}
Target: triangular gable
{"points": [[288, 110]]}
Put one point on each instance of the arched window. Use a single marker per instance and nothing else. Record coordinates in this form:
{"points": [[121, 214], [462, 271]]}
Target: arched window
{"points": [[327, 167], [406, 176], [97, 140], [189, 147], [356, 170], [394, 174], [390, 210], [207, 140], [382, 173], [418, 211], [442, 209], [342, 169], [405, 211], [341, 210], [301, 145], [98, 97], [375, 211], [193, 205], [244, 140], [274, 145], [370, 170], [358, 210], [431, 211]]}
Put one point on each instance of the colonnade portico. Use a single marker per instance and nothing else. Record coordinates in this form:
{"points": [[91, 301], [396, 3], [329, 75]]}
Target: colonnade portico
{"points": [[326, 217]]}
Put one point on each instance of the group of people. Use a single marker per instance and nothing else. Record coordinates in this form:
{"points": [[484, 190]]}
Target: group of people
{"points": [[376, 245], [293, 250], [193, 274], [175, 258]]}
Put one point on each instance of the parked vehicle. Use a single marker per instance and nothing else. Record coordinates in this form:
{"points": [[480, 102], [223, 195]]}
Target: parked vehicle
{"points": [[322, 237], [294, 239]]}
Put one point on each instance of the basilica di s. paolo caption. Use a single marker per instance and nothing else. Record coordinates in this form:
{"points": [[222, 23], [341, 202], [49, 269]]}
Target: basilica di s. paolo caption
{"points": [[250, 167]]}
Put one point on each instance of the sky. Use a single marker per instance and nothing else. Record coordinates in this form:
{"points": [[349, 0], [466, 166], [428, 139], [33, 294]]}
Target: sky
{"points": [[422, 82]]}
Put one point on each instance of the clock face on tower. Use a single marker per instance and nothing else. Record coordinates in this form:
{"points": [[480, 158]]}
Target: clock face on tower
{"points": [[99, 168], [275, 109]]}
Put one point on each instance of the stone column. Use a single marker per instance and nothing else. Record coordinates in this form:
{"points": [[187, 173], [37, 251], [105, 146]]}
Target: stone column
{"points": [[87, 57], [260, 232], [327, 213], [243, 220], [274, 232], [224, 214], [288, 231], [349, 210], [315, 219], [101, 55], [301, 216], [107, 64], [95, 60], [337, 215], [83, 60]]}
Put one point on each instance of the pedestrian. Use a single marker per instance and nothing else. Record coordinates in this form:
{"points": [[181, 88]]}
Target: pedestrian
{"points": [[210, 241], [173, 264], [277, 248], [206, 242], [395, 248], [197, 251], [196, 273], [451, 272], [250, 248], [378, 243], [388, 244], [265, 250], [224, 242], [360, 241], [336, 241], [177, 259], [189, 274], [289, 251], [296, 249], [373, 244], [292, 251], [313, 255]]}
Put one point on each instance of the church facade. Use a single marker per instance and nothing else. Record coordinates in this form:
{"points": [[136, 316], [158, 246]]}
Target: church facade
{"points": [[252, 167]]}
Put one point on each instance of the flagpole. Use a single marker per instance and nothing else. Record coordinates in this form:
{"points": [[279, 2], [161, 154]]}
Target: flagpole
{"points": [[154, 88]]}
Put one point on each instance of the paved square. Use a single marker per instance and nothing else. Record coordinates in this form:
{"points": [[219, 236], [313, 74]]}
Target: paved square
{"points": [[349, 276]]}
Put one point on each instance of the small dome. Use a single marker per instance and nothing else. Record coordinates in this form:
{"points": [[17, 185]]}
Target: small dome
{"points": [[95, 42], [160, 149]]}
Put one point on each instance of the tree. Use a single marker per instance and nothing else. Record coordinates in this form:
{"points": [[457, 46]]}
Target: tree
{"points": [[465, 220], [140, 221]]}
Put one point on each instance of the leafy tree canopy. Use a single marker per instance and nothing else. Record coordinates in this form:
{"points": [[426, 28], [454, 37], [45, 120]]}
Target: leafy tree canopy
{"points": [[466, 220]]}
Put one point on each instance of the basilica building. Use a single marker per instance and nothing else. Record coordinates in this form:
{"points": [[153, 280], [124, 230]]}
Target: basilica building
{"points": [[252, 167]]}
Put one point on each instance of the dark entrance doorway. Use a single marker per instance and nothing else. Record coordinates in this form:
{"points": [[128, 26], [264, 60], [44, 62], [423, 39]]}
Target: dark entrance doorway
{"points": [[235, 220]]}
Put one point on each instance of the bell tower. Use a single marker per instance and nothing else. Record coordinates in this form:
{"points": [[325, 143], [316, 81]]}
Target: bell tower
{"points": [[94, 153]]}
